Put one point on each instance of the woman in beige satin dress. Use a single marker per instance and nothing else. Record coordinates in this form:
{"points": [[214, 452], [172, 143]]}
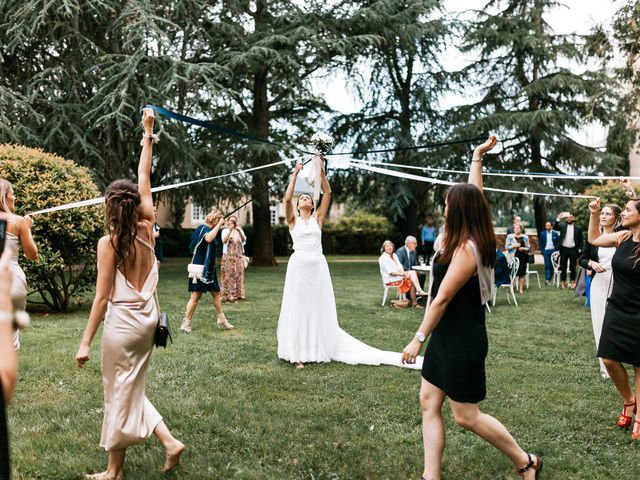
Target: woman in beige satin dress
{"points": [[127, 279], [18, 235]]}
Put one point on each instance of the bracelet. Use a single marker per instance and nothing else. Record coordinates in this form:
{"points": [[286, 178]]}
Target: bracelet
{"points": [[478, 160], [149, 136], [6, 317]]}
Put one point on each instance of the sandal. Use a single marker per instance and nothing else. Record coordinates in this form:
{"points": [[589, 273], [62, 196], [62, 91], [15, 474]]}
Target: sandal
{"points": [[186, 326], [537, 466], [624, 420], [224, 323], [422, 293]]}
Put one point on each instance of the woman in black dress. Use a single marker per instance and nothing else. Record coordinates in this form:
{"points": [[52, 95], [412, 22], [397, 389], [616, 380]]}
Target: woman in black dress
{"points": [[454, 359], [203, 246], [620, 340], [518, 244]]}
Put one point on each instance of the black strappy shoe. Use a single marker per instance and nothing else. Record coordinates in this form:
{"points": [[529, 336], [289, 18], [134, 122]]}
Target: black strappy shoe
{"points": [[537, 466]]}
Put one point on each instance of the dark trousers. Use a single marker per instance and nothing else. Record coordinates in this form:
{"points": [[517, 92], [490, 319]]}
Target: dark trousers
{"points": [[427, 252], [568, 255], [548, 266]]}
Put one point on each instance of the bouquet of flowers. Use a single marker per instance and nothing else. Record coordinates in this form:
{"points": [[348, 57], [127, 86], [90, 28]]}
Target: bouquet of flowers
{"points": [[322, 143]]}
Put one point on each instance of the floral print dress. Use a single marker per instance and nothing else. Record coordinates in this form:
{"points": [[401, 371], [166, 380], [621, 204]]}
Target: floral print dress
{"points": [[232, 269]]}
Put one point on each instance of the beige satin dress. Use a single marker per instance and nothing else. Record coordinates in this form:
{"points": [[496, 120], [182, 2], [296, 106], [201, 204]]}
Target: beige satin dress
{"points": [[127, 342], [19, 285]]}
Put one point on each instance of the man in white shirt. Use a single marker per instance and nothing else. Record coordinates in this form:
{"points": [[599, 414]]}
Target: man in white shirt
{"points": [[570, 246]]}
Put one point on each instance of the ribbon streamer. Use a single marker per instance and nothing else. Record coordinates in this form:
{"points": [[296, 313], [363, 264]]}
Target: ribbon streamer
{"points": [[96, 201], [392, 173]]}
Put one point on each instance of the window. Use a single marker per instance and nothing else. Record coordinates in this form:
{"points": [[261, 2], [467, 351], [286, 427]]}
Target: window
{"points": [[198, 213], [274, 214]]}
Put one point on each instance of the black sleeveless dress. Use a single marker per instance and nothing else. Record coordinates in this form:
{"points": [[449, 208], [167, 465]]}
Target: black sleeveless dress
{"points": [[456, 352], [620, 338]]}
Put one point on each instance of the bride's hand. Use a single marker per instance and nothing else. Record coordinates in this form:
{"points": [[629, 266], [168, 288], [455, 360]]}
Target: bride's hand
{"points": [[411, 351], [297, 168]]}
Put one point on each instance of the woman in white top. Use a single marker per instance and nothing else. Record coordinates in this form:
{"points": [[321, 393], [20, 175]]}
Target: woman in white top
{"points": [[598, 261], [232, 266], [394, 275], [18, 234], [308, 329]]}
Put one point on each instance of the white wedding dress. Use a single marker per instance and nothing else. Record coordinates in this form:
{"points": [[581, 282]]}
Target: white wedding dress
{"points": [[308, 329]]}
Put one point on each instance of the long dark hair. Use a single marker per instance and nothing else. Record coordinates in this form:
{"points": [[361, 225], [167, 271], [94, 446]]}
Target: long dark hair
{"points": [[122, 200], [468, 218]]}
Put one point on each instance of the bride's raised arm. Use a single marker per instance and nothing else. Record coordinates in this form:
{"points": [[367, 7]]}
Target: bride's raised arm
{"points": [[289, 211], [323, 209]]}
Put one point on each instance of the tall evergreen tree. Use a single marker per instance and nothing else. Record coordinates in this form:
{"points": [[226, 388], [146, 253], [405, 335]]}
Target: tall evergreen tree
{"points": [[400, 80], [535, 88]]}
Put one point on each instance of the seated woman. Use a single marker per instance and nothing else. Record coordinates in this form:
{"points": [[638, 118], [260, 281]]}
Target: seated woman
{"points": [[517, 244], [393, 275]]}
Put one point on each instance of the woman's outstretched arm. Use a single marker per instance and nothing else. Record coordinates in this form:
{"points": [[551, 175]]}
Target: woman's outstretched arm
{"points": [[475, 171], [288, 196], [144, 167], [323, 209]]}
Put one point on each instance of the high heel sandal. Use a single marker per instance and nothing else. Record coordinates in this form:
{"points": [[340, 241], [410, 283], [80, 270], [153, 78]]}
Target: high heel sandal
{"points": [[537, 466], [186, 326], [223, 322], [625, 421]]}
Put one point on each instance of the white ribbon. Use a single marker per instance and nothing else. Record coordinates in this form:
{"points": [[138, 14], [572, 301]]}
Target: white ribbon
{"points": [[502, 174], [96, 201], [362, 165]]}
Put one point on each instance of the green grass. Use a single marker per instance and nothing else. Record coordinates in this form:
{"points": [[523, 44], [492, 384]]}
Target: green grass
{"points": [[244, 414]]}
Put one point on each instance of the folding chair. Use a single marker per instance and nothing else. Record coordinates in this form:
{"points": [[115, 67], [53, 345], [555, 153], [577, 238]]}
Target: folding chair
{"points": [[515, 264]]}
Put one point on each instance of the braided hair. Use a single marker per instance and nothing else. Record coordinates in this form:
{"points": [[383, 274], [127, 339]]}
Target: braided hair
{"points": [[122, 200]]}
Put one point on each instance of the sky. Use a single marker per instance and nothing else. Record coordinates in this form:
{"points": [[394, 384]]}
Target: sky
{"points": [[578, 16]]}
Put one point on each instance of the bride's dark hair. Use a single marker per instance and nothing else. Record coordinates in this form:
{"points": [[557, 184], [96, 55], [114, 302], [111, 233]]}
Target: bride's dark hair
{"points": [[122, 200]]}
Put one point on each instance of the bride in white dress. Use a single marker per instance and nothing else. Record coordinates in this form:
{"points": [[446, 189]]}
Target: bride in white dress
{"points": [[308, 329]]}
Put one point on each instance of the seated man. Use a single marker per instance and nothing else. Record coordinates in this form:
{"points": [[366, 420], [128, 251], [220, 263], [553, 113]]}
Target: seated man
{"points": [[409, 257], [502, 270]]}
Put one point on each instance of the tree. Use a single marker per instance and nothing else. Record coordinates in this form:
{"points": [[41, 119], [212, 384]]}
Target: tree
{"points": [[625, 137], [67, 239], [529, 95], [399, 79]]}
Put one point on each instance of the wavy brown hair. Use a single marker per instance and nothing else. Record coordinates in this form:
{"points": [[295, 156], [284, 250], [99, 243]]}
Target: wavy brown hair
{"points": [[122, 200], [468, 218]]}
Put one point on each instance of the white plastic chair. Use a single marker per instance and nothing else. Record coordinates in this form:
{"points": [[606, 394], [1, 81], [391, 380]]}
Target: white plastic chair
{"points": [[532, 272], [515, 264], [555, 263]]}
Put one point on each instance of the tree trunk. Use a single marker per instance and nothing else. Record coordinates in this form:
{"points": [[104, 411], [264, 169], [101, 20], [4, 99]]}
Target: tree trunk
{"points": [[262, 235]]}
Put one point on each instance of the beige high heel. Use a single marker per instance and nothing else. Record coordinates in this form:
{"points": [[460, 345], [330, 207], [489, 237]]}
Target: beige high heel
{"points": [[186, 325], [223, 322]]}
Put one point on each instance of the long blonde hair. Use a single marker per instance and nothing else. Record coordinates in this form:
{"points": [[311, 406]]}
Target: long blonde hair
{"points": [[5, 188]]}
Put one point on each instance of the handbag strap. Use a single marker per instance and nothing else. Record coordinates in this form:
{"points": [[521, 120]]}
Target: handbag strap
{"points": [[195, 249]]}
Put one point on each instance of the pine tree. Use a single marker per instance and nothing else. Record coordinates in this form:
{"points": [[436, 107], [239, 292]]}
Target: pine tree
{"points": [[400, 80], [529, 95]]}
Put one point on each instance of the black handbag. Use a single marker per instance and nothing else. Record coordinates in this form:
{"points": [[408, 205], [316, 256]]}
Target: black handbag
{"points": [[163, 328]]}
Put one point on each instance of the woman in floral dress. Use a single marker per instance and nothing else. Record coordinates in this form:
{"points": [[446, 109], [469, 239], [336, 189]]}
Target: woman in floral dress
{"points": [[232, 268]]}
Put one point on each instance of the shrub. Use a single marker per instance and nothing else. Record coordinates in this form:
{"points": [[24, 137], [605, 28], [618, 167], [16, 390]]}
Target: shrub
{"points": [[67, 239], [357, 234], [609, 192]]}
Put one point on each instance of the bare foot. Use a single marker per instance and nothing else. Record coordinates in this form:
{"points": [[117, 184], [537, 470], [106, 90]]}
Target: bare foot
{"points": [[299, 365], [102, 476], [173, 456]]}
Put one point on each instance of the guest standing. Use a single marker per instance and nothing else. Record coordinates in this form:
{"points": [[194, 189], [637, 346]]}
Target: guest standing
{"points": [[8, 358], [454, 360], [549, 242], [517, 220], [127, 280], [203, 246], [518, 245], [620, 339], [597, 261], [428, 238], [232, 265], [570, 246], [18, 234]]}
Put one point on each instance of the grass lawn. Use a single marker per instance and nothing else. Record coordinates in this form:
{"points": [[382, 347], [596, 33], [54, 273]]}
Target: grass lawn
{"points": [[244, 414]]}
